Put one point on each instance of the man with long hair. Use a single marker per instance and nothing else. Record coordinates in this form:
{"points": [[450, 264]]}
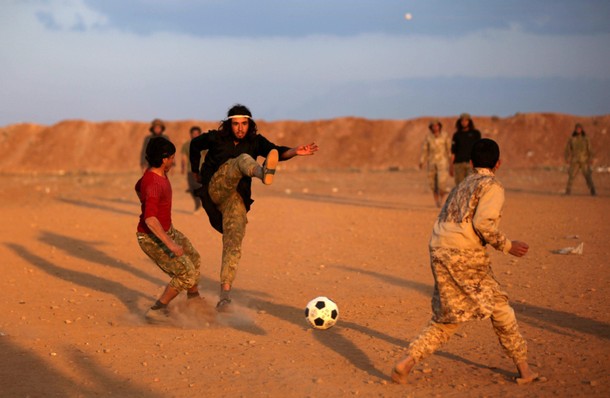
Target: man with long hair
{"points": [[461, 144], [226, 179]]}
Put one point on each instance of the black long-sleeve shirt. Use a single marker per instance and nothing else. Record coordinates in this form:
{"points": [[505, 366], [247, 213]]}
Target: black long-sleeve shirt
{"points": [[221, 148], [461, 144]]}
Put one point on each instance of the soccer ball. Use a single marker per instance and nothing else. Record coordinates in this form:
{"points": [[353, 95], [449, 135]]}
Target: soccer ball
{"points": [[321, 313]]}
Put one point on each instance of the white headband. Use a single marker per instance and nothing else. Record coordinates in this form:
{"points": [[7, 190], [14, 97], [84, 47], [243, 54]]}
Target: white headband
{"points": [[236, 116]]}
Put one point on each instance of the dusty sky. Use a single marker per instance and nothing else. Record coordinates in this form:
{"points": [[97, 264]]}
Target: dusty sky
{"points": [[301, 59]]}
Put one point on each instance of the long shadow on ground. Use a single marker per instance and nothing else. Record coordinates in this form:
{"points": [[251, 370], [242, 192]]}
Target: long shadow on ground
{"points": [[540, 317]]}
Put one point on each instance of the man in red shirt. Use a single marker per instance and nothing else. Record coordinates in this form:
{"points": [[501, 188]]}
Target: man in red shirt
{"points": [[165, 245]]}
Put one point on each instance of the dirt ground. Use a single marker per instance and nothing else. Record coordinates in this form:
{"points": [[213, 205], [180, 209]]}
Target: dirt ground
{"points": [[76, 285]]}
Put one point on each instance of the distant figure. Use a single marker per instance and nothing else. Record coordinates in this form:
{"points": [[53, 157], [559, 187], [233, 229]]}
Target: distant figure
{"points": [[226, 176], [464, 285], [461, 145], [579, 156], [157, 127], [185, 167], [157, 237], [436, 154]]}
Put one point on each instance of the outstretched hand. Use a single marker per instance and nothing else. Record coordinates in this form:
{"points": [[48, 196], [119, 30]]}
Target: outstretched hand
{"points": [[518, 248], [305, 150]]}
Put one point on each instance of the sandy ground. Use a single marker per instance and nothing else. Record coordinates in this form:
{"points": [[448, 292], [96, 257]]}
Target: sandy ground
{"points": [[76, 285]]}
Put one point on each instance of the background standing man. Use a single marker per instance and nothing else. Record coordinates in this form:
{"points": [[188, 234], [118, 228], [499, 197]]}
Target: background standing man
{"points": [[185, 167], [436, 154], [579, 156], [157, 127], [461, 145]]}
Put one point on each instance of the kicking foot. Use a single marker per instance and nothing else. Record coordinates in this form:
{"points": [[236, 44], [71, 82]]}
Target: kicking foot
{"points": [[160, 316], [269, 166]]}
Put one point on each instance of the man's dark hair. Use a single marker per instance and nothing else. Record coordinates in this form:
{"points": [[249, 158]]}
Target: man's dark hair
{"points": [[195, 128], [459, 127], [485, 153], [575, 133], [236, 110], [159, 148]]}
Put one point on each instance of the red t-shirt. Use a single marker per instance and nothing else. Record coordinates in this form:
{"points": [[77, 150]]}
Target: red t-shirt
{"points": [[155, 193]]}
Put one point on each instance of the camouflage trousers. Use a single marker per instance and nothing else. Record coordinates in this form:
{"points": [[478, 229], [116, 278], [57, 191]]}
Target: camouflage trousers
{"points": [[438, 177], [504, 324], [223, 192], [586, 172], [460, 171], [183, 270], [465, 289]]}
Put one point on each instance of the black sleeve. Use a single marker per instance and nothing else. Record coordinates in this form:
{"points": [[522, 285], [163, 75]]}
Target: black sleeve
{"points": [[453, 144], [264, 146]]}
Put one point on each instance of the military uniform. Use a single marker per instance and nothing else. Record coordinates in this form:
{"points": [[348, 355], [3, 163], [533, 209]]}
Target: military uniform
{"points": [[226, 176], [191, 181], [465, 287], [223, 192], [183, 270], [578, 153], [436, 152]]}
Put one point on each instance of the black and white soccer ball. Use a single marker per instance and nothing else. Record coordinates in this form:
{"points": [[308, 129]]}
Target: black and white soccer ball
{"points": [[321, 313]]}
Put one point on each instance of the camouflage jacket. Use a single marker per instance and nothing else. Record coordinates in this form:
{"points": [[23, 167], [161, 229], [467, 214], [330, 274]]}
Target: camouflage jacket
{"points": [[471, 215], [436, 150], [578, 149]]}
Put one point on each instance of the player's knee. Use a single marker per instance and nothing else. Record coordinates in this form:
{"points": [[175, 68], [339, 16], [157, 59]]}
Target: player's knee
{"points": [[503, 316], [190, 279], [244, 156]]}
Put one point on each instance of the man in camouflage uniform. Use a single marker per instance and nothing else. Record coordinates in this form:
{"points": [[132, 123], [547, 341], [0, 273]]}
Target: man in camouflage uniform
{"points": [[185, 167], [157, 237], [156, 129], [579, 156], [226, 179], [465, 287], [436, 154]]}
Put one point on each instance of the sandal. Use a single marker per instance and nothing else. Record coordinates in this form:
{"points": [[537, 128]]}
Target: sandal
{"points": [[269, 166]]}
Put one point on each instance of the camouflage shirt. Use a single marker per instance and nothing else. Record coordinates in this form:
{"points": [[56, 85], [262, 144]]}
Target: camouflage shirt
{"points": [[436, 150], [578, 149], [471, 215], [464, 284]]}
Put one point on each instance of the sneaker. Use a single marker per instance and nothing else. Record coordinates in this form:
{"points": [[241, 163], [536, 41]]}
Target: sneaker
{"points": [[269, 166], [157, 316], [223, 305]]}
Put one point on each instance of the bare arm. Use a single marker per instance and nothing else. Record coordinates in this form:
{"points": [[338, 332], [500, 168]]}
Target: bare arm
{"points": [[155, 226], [302, 150]]}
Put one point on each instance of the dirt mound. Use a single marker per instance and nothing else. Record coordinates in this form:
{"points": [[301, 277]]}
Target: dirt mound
{"points": [[76, 146]]}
